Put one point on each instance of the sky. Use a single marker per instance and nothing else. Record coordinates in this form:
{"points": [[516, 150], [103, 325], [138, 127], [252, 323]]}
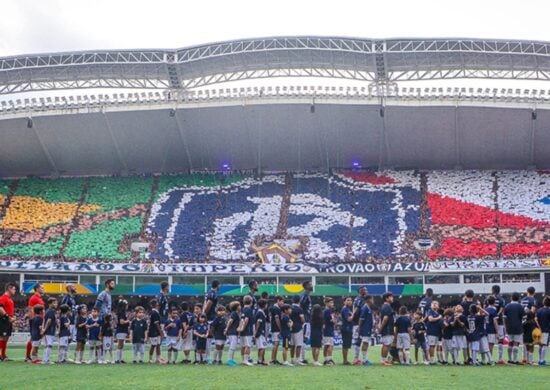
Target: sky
{"points": [[43, 26], [33, 26]]}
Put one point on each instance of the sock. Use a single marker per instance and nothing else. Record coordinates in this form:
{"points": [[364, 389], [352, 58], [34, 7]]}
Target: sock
{"points": [[510, 353], [29, 348], [455, 355], [489, 357], [474, 356], [524, 352], [3, 344], [247, 358], [483, 357], [529, 357], [303, 352], [440, 355], [408, 357], [356, 352], [401, 357], [91, 353], [47, 353], [60, 352], [465, 354], [364, 354], [134, 353], [500, 351], [81, 354], [515, 353], [542, 353], [119, 355], [231, 354], [175, 355]]}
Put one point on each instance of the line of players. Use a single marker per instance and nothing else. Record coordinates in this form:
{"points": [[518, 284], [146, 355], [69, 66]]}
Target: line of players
{"points": [[439, 334]]}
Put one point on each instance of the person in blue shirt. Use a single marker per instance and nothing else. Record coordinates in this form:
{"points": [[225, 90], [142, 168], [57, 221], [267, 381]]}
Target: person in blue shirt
{"points": [[246, 330], [491, 326], [305, 304], [346, 329], [543, 321], [358, 303], [513, 317], [172, 328], [286, 326], [93, 325], [275, 317], [155, 331], [231, 331], [36, 332], [426, 302], [297, 331], [447, 335], [476, 329], [386, 328], [260, 322], [316, 340], [121, 329], [529, 304], [106, 337], [217, 329], [404, 330], [366, 324], [138, 334], [419, 329], [200, 331], [210, 304], [49, 328], [529, 325], [460, 342], [187, 320], [433, 329], [328, 330], [64, 333], [81, 333], [499, 306]]}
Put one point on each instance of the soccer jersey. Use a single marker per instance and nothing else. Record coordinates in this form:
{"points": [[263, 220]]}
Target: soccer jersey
{"points": [[138, 328], [466, 305], [358, 303], [260, 322], [459, 325], [162, 299], [347, 326], [490, 323], [386, 312], [285, 328], [419, 329], [187, 318], [93, 332], [543, 317], [433, 328], [7, 303], [64, 326], [366, 321], [218, 327], [275, 312], [476, 325], [295, 317], [247, 313], [154, 324], [104, 303], [328, 329], [122, 328], [70, 301], [447, 328], [305, 305], [172, 327], [513, 313], [107, 329], [35, 299], [403, 323], [81, 331], [528, 303], [232, 330], [212, 296], [499, 303], [36, 327], [50, 315], [424, 305], [201, 329]]}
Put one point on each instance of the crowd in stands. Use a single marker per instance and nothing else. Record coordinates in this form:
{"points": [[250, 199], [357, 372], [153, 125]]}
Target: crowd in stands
{"points": [[372, 217]]}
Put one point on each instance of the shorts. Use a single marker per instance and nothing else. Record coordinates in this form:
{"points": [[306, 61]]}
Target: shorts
{"points": [[64, 341], [5, 328], [261, 342], [285, 341], [94, 343], [515, 338], [328, 340], [316, 339], [386, 340], [422, 344], [246, 341], [366, 339], [297, 339], [492, 338], [275, 337], [475, 345], [154, 341], [233, 341], [187, 342], [433, 340], [500, 331], [484, 344], [403, 341], [172, 342], [544, 338], [346, 339], [35, 343], [448, 344], [121, 336], [200, 344], [49, 340], [219, 342], [107, 343], [460, 342]]}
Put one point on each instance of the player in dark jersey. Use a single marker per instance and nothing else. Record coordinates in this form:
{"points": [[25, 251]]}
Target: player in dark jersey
{"points": [[346, 329], [358, 303], [172, 328], [64, 333], [305, 304], [121, 329], [476, 329], [70, 300], [386, 327], [426, 302], [231, 331], [200, 331], [162, 299], [286, 326], [529, 304], [275, 317], [49, 329], [366, 326], [81, 333], [328, 330], [260, 322], [138, 334], [543, 322], [499, 307], [209, 308], [217, 328], [252, 291], [513, 317], [93, 325], [246, 330], [155, 331]]}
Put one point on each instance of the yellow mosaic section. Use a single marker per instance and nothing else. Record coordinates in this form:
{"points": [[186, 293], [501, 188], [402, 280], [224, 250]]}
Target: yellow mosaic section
{"points": [[28, 213]]}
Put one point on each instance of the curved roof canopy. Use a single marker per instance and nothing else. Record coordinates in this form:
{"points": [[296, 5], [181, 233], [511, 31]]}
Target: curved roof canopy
{"points": [[376, 61]]}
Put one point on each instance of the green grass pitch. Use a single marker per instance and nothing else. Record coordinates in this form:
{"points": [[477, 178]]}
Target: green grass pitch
{"points": [[20, 375]]}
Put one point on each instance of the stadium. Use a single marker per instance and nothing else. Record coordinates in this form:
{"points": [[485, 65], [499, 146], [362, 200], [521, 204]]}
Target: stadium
{"points": [[171, 173]]}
